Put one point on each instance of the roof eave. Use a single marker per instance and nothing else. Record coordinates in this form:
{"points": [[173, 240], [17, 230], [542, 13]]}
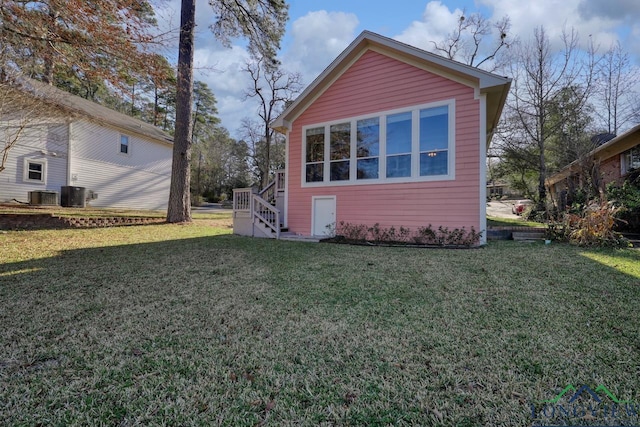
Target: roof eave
{"points": [[608, 147]]}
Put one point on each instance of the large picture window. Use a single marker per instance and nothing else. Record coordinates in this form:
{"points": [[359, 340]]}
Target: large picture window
{"points": [[412, 144]]}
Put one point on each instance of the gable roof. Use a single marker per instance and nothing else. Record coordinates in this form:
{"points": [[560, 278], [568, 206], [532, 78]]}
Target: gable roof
{"points": [[495, 87], [613, 147], [78, 105]]}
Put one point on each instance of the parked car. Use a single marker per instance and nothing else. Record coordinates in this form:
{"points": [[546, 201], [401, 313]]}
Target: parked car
{"points": [[520, 205]]}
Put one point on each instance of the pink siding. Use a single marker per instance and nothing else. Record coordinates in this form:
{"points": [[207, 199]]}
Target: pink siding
{"points": [[377, 83]]}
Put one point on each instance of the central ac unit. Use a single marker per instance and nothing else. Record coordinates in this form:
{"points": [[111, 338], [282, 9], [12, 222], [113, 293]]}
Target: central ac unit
{"points": [[73, 197], [46, 198]]}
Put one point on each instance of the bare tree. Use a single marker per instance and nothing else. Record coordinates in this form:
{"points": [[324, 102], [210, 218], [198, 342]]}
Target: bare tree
{"points": [[468, 41], [616, 80], [540, 74], [252, 132], [273, 88]]}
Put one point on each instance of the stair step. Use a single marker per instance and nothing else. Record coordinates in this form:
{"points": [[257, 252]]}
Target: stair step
{"points": [[292, 237], [527, 235]]}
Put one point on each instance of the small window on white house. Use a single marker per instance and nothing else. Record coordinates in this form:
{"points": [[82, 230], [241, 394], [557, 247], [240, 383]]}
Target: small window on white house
{"points": [[124, 144], [35, 171]]}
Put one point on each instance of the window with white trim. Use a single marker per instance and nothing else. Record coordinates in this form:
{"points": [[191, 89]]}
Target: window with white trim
{"points": [[340, 151], [434, 141], [35, 171], [124, 145], [630, 160], [399, 148], [314, 154], [405, 145], [368, 148]]}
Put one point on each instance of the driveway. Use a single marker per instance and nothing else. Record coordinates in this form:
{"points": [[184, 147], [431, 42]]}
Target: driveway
{"points": [[208, 207], [501, 209]]}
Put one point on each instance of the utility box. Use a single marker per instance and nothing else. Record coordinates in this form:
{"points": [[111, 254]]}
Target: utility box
{"points": [[73, 197], [43, 198]]}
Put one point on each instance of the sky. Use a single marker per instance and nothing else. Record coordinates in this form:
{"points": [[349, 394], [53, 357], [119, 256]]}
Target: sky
{"points": [[317, 31]]}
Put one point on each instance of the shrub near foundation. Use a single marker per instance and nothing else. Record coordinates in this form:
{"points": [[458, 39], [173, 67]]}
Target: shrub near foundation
{"points": [[424, 236]]}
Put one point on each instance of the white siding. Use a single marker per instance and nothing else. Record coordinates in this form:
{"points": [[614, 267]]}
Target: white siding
{"points": [[45, 141], [137, 180]]}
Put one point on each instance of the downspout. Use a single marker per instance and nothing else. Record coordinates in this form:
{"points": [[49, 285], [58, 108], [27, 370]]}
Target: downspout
{"points": [[69, 140], [483, 168], [286, 179]]}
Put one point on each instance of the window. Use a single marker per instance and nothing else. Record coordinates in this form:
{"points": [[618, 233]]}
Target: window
{"points": [[434, 141], [630, 160], [399, 145], [368, 148], [315, 155], [340, 151], [124, 144], [35, 171], [412, 144]]}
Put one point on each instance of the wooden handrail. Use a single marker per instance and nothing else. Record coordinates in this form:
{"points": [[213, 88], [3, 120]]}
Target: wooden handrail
{"points": [[268, 192], [280, 181], [242, 199], [267, 213]]}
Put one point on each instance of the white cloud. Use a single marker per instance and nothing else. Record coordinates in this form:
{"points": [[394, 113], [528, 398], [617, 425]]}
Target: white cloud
{"points": [[617, 10], [318, 38], [437, 22], [558, 16]]}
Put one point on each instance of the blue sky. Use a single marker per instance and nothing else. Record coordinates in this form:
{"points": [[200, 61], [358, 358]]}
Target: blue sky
{"points": [[318, 31]]}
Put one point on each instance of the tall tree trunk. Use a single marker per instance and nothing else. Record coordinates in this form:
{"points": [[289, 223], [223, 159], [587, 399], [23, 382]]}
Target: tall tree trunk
{"points": [[267, 160], [179, 209], [156, 108], [48, 54]]}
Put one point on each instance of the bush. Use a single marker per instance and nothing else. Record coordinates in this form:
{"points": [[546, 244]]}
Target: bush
{"points": [[196, 200], [442, 236], [627, 198], [593, 227]]}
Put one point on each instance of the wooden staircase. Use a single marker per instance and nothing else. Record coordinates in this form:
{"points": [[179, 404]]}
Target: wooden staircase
{"points": [[260, 214]]}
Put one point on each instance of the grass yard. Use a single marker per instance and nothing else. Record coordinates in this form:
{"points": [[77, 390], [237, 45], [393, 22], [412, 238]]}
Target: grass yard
{"points": [[511, 222], [189, 325]]}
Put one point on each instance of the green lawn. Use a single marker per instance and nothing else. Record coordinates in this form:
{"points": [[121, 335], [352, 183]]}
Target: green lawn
{"points": [[511, 222], [188, 325]]}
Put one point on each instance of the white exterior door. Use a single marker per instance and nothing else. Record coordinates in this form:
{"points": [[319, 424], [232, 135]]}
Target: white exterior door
{"points": [[323, 215]]}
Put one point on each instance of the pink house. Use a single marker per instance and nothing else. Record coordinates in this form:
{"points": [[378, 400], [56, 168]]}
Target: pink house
{"points": [[387, 134]]}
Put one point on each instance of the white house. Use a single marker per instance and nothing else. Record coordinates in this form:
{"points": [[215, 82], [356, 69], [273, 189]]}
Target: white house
{"points": [[69, 141]]}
